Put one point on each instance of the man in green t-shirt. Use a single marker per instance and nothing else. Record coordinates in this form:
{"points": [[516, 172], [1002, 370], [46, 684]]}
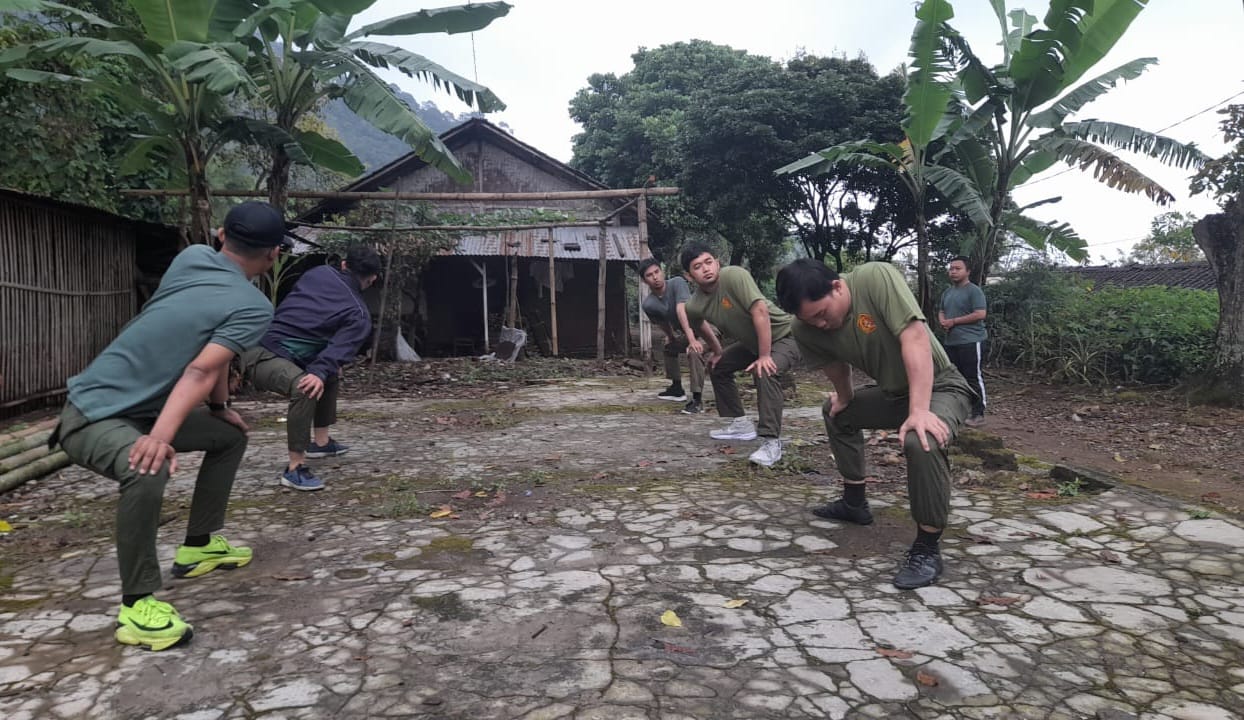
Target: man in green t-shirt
{"points": [[141, 401], [760, 343], [962, 316], [869, 319]]}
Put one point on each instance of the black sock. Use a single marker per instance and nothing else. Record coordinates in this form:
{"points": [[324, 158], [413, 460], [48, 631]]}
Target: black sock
{"points": [[697, 396], [129, 600], [926, 540], [197, 540], [676, 387], [854, 493]]}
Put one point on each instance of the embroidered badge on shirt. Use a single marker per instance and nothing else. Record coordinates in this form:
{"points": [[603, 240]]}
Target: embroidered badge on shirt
{"points": [[725, 303], [865, 323]]}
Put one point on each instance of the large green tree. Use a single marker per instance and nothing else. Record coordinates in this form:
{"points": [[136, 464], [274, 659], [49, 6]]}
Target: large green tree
{"points": [[1170, 240], [710, 119]]}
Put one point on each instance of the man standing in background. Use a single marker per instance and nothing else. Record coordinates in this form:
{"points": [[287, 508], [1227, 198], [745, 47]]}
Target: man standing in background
{"points": [[962, 316]]}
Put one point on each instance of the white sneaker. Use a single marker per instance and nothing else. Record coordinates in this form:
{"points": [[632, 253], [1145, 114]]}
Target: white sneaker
{"points": [[739, 429], [768, 453]]}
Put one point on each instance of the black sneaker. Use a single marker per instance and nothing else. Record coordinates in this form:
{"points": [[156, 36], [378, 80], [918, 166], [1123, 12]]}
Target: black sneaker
{"points": [[920, 567], [840, 510], [674, 393], [693, 407]]}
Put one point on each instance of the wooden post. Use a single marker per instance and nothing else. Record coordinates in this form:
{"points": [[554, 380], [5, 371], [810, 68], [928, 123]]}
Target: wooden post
{"points": [[513, 310], [645, 325], [552, 297], [482, 268], [384, 289], [600, 296]]}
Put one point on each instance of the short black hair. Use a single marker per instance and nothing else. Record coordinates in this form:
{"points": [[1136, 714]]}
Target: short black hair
{"points": [[362, 261], [647, 263], [245, 249], [804, 279], [691, 251], [967, 261]]}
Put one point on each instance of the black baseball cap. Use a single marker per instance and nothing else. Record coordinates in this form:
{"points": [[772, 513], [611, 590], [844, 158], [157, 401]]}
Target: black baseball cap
{"points": [[258, 224]]}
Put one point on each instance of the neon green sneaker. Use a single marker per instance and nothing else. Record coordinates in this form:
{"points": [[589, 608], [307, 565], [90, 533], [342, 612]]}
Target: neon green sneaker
{"points": [[152, 623], [196, 561]]}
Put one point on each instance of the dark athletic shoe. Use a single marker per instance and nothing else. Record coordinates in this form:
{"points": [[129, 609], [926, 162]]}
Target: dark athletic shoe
{"points": [[840, 510], [693, 407], [673, 393], [332, 448], [920, 567]]}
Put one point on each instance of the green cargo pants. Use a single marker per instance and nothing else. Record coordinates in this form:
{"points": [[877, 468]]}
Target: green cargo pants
{"points": [[104, 446], [769, 398], [928, 473], [270, 372]]}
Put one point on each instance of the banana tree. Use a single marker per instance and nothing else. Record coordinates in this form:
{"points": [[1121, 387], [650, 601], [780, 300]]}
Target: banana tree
{"points": [[188, 78], [1015, 117], [301, 55], [1007, 123], [927, 103]]}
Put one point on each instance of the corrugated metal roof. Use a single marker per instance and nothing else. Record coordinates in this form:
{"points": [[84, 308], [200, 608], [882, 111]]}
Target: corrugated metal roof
{"points": [[622, 243], [1195, 275]]}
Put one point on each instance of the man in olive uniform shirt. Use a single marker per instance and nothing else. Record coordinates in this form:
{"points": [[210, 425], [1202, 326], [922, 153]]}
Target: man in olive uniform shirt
{"points": [[760, 344], [870, 320]]}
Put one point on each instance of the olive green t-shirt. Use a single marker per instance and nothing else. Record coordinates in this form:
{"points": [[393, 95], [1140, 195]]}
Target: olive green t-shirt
{"points": [[881, 306], [728, 308]]}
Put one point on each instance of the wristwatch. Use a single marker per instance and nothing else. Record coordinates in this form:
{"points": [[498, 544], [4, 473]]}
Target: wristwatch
{"points": [[217, 407]]}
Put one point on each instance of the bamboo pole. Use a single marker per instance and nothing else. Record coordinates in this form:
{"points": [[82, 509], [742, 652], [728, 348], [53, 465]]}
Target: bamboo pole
{"points": [[12, 435], [600, 296], [512, 314], [447, 228], [21, 445], [384, 290], [437, 197], [645, 325], [9, 464], [552, 296], [33, 471]]}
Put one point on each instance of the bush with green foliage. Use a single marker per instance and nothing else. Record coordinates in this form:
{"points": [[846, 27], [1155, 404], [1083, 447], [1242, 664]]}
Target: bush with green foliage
{"points": [[1049, 321]]}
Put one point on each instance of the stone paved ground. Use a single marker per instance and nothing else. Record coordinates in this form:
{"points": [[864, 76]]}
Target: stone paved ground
{"points": [[599, 512]]}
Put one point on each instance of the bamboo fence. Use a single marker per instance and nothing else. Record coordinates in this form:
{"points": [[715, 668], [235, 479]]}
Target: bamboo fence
{"points": [[66, 289]]}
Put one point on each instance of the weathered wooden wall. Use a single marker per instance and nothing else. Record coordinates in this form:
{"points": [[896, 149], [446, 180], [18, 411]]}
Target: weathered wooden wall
{"points": [[66, 290]]}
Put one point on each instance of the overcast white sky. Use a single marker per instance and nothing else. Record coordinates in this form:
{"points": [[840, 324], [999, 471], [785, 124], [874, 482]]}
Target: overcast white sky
{"points": [[537, 57]]}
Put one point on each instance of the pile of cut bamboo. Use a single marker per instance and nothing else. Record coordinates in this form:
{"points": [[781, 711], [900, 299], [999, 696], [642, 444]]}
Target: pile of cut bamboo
{"points": [[25, 456]]}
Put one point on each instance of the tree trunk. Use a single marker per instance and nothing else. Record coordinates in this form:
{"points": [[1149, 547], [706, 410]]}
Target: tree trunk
{"points": [[278, 179], [200, 196], [924, 291], [1221, 238]]}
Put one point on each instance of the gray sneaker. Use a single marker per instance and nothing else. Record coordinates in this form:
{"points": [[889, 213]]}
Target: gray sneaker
{"points": [[769, 452], [693, 407], [739, 429]]}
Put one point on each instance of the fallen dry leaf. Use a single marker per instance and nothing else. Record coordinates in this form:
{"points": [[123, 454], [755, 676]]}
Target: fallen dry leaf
{"points": [[671, 647], [732, 604], [1041, 495], [444, 511], [552, 458], [5, 527], [926, 679], [291, 576], [645, 463], [1110, 557], [461, 495], [1119, 458], [896, 654], [669, 617], [481, 493], [1002, 600], [727, 450]]}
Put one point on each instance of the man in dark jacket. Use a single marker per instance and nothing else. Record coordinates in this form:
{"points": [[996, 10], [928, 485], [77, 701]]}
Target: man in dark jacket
{"points": [[318, 328]]}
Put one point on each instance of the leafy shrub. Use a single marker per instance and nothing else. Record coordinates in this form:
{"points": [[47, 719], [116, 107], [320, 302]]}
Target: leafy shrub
{"points": [[1049, 321]]}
